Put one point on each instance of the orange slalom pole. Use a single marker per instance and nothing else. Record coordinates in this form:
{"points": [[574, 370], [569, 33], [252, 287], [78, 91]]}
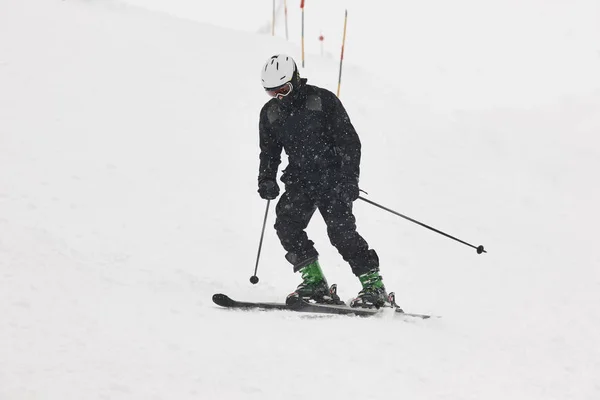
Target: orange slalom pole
{"points": [[342, 55], [302, 7]]}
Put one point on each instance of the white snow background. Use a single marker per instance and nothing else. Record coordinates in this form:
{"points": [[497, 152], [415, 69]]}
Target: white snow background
{"points": [[128, 163]]}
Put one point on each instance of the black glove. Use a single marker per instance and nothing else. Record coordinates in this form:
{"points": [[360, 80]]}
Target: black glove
{"points": [[268, 189], [347, 191]]}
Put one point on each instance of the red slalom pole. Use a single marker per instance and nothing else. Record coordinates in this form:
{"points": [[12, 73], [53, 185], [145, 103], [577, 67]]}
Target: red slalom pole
{"points": [[321, 39]]}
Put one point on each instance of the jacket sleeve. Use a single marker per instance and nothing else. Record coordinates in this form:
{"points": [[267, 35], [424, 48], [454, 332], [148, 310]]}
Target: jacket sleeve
{"points": [[346, 140], [270, 149]]}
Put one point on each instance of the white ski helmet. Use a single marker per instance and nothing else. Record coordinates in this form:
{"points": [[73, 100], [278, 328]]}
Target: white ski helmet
{"points": [[277, 71]]}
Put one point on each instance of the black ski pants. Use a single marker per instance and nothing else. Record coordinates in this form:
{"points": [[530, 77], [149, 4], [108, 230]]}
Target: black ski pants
{"points": [[295, 210]]}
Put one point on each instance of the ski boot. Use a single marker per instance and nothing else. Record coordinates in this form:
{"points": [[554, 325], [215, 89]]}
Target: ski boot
{"points": [[314, 287], [373, 294]]}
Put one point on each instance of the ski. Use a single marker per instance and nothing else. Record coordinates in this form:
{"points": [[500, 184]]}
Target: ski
{"points": [[300, 305], [392, 303], [227, 302], [412, 315], [297, 306]]}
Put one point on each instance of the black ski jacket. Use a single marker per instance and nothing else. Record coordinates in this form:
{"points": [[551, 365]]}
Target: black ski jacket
{"points": [[315, 131]]}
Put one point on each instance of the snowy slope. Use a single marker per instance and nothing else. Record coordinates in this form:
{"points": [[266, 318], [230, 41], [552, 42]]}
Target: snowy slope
{"points": [[128, 155], [465, 53]]}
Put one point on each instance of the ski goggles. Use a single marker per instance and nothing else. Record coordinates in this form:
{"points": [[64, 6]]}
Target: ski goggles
{"points": [[280, 91]]}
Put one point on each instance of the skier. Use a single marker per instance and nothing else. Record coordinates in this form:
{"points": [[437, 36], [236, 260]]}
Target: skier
{"points": [[323, 149]]}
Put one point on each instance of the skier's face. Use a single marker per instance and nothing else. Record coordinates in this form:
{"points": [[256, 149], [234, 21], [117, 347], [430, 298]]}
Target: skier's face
{"points": [[281, 91]]}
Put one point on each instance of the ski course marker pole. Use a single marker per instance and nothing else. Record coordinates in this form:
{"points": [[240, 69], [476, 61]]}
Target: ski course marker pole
{"points": [[321, 39], [287, 36], [302, 7], [273, 21], [342, 55]]}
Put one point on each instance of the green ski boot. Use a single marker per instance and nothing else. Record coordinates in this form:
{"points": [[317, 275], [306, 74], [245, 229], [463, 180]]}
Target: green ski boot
{"points": [[373, 294], [314, 287]]}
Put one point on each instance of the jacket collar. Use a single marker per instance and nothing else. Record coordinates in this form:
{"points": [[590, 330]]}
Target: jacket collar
{"points": [[297, 97]]}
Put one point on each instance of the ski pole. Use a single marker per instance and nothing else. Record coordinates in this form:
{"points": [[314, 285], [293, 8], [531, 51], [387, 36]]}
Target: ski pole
{"points": [[254, 278], [479, 248]]}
